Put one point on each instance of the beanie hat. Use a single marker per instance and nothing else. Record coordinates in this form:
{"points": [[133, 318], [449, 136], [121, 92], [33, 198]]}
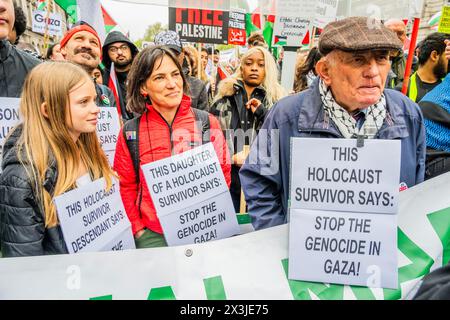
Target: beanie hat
{"points": [[84, 27]]}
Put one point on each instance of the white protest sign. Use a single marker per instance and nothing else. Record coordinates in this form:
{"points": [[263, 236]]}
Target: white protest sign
{"points": [[93, 218], [9, 118], [333, 174], [209, 220], [108, 128], [191, 196], [326, 11], [43, 22], [345, 248], [292, 22], [380, 9]]}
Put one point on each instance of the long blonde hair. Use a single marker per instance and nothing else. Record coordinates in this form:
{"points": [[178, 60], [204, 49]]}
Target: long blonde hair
{"points": [[274, 91], [44, 139]]}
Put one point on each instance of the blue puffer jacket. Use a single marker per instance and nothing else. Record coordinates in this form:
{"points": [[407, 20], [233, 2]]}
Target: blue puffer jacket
{"points": [[265, 179]]}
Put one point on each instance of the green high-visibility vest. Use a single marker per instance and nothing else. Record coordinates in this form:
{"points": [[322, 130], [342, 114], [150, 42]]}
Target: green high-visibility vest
{"points": [[413, 87]]}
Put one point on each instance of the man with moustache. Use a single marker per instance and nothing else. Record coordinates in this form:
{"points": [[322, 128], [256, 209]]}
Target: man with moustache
{"points": [[14, 64], [118, 49], [433, 66], [81, 45]]}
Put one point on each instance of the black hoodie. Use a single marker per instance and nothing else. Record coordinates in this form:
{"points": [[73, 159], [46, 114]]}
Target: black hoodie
{"points": [[114, 37]]}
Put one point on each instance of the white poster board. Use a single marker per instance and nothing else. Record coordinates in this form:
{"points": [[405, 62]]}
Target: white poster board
{"points": [[191, 197], [9, 118], [108, 130], [345, 248], [326, 11], [343, 206], [43, 22], [292, 22], [333, 174], [94, 219]]}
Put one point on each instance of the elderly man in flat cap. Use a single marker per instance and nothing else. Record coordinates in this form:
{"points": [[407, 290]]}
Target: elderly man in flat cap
{"points": [[347, 100]]}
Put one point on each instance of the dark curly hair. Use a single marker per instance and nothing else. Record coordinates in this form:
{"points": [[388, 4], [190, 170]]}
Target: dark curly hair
{"points": [[20, 23], [300, 82]]}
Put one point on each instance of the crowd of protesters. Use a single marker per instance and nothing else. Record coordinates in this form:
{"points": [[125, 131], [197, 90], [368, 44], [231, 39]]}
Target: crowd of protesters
{"points": [[345, 87]]}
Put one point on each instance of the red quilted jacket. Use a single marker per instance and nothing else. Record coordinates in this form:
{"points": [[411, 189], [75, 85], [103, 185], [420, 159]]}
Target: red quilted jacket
{"points": [[155, 143]]}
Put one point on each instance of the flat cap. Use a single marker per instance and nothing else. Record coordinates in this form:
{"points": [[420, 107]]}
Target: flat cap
{"points": [[356, 34]]}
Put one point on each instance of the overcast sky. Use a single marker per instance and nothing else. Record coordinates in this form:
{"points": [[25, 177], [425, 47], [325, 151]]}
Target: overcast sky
{"points": [[135, 18]]}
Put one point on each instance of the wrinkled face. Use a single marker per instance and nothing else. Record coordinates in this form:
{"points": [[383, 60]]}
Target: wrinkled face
{"points": [[83, 49], [6, 18], [56, 53], [164, 86], [357, 79], [399, 28], [253, 69], [120, 54], [204, 58], [83, 110]]}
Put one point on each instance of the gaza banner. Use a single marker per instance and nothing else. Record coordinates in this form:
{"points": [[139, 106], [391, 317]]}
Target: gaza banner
{"points": [[9, 118], [199, 25], [43, 22], [249, 266], [108, 129], [191, 197], [93, 218]]}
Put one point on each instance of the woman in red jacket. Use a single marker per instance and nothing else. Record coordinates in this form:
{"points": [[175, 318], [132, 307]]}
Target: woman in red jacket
{"points": [[156, 86]]}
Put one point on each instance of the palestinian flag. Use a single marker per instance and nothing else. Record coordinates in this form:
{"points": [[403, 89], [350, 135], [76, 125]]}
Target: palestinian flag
{"points": [[113, 85], [257, 21], [41, 5], [253, 23], [109, 22], [89, 11], [434, 20]]}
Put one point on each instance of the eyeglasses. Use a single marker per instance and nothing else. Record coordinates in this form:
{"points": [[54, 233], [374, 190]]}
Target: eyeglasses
{"points": [[122, 48]]}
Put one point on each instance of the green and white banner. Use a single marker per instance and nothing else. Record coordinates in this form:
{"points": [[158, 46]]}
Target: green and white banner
{"points": [[249, 266]]}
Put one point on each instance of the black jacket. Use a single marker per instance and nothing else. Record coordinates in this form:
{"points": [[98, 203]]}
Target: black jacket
{"points": [[114, 37], [232, 114], [22, 223], [436, 285], [198, 93], [14, 67]]}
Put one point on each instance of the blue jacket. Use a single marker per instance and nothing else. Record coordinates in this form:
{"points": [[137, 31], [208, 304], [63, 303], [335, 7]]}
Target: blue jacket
{"points": [[265, 174]]}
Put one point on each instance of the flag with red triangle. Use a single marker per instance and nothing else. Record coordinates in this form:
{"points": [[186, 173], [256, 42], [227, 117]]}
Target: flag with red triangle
{"points": [[113, 85]]}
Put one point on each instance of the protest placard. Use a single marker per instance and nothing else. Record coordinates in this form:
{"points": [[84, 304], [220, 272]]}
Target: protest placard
{"points": [[336, 175], [236, 28], [197, 25], [94, 219], [444, 22], [343, 206], [345, 248], [292, 22], [108, 128], [9, 118], [325, 12], [191, 197], [43, 22]]}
